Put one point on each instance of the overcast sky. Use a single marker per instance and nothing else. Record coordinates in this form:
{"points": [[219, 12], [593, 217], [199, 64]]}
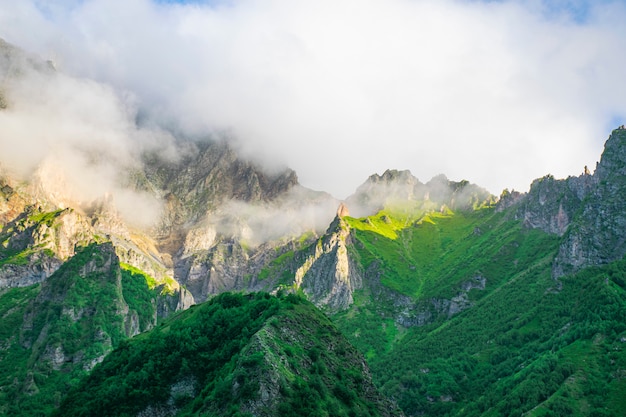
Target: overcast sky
{"points": [[495, 92]]}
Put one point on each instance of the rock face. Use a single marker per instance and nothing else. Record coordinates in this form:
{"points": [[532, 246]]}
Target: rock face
{"points": [[37, 242], [552, 204], [328, 275], [596, 234], [588, 211]]}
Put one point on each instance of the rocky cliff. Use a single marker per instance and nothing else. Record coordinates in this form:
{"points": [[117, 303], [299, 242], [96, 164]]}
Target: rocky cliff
{"points": [[328, 274], [596, 234], [587, 211]]}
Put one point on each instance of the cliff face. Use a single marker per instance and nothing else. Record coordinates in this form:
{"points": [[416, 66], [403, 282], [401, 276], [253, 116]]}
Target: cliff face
{"points": [[596, 235], [587, 211], [552, 204], [37, 242], [328, 275]]}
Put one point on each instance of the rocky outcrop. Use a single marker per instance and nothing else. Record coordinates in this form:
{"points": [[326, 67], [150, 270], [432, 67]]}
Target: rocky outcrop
{"points": [[221, 268], [328, 275], [36, 243], [33, 268], [552, 204]]}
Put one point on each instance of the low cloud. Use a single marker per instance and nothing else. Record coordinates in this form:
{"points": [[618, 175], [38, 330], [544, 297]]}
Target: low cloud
{"points": [[76, 138], [294, 213], [498, 93]]}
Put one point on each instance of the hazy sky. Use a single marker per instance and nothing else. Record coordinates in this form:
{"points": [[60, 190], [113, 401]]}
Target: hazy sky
{"points": [[495, 92]]}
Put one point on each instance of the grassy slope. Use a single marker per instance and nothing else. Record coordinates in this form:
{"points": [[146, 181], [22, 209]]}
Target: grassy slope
{"points": [[527, 345], [430, 256], [525, 348]]}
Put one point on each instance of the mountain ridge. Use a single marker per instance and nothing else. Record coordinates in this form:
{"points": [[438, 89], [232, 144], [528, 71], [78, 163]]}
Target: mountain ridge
{"points": [[461, 302]]}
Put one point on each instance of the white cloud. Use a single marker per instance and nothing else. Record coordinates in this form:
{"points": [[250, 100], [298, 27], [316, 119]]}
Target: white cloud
{"points": [[498, 93]]}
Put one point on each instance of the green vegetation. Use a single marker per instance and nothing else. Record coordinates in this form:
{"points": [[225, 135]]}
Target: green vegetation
{"points": [[167, 285], [221, 352], [433, 255], [44, 217], [529, 345], [278, 267], [53, 333], [457, 313], [550, 352]]}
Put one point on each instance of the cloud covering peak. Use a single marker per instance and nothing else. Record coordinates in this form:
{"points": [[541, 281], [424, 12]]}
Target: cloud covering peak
{"points": [[498, 93]]}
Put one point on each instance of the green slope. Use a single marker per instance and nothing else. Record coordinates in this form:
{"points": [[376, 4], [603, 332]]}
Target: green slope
{"points": [[527, 344], [53, 333], [233, 355], [529, 347], [427, 258], [428, 255]]}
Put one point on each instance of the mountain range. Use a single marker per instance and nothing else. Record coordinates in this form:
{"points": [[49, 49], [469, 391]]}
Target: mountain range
{"points": [[246, 293]]}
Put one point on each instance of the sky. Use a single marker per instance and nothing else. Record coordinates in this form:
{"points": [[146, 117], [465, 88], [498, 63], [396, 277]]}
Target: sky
{"points": [[495, 92]]}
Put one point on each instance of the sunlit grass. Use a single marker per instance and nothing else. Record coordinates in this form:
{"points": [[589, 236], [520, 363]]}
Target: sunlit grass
{"points": [[169, 284]]}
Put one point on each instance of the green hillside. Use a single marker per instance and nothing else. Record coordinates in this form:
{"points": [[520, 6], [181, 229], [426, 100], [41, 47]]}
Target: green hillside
{"points": [[429, 255], [522, 343], [235, 355], [533, 346], [53, 333]]}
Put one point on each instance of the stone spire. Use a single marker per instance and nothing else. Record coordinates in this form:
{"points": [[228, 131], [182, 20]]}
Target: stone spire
{"points": [[342, 211]]}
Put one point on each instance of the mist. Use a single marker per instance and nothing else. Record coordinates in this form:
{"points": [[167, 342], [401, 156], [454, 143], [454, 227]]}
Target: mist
{"points": [[75, 139], [293, 214], [498, 93]]}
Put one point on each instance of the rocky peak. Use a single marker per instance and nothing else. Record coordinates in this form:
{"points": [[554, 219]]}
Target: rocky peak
{"points": [[461, 195], [204, 177], [612, 164], [394, 176]]}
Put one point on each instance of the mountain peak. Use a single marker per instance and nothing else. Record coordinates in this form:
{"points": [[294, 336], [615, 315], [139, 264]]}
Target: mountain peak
{"points": [[393, 176], [613, 160]]}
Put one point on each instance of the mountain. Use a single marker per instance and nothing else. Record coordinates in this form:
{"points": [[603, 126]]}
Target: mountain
{"points": [[237, 354], [55, 331], [506, 308], [225, 218], [148, 293]]}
